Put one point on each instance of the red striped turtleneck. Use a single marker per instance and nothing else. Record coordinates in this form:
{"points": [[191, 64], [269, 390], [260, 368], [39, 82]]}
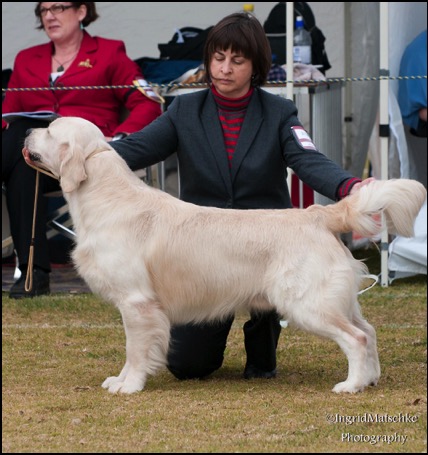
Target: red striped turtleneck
{"points": [[231, 112]]}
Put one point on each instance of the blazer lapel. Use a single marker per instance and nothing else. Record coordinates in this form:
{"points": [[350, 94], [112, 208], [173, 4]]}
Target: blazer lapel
{"points": [[215, 141], [39, 64], [85, 59], [253, 120]]}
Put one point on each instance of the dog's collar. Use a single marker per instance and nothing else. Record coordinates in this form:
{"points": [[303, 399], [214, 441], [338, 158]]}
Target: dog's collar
{"points": [[51, 174], [44, 171], [95, 152]]}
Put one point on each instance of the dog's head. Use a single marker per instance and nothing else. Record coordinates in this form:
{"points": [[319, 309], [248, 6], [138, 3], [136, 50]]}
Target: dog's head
{"points": [[63, 148]]}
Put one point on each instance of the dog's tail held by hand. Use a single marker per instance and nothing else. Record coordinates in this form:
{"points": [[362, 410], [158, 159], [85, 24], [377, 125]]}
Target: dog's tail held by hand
{"points": [[400, 200]]}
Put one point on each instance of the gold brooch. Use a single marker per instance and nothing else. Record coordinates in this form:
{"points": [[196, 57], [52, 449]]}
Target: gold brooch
{"points": [[86, 63]]}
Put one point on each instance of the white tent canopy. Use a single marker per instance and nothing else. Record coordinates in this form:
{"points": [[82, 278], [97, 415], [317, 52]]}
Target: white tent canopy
{"points": [[408, 257]]}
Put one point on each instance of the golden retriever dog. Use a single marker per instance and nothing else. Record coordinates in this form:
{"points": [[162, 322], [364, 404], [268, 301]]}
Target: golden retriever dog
{"points": [[163, 261]]}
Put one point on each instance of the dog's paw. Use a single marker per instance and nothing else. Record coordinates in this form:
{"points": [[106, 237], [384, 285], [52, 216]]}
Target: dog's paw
{"points": [[373, 380], [115, 385], [347, 387], [110, 382]]}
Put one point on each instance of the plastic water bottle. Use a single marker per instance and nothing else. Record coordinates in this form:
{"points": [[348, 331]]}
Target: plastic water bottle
{"points": [[302, 50]]}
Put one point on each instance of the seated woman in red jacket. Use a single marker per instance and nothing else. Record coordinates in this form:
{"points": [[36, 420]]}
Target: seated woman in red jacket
{"points": [[72, 58]]}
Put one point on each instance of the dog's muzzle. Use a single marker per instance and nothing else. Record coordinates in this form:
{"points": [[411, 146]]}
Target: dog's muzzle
{"points": [[34, 160]]}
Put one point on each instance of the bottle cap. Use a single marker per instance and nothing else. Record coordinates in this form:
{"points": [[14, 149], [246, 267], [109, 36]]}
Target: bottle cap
{"points": [[299, 21]]}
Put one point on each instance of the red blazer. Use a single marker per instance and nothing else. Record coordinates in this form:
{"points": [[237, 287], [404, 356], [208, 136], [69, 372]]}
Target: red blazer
{"points": [[100, 62]]}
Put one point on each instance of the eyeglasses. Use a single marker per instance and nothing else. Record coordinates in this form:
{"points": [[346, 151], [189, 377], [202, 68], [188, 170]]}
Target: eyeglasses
{"points": [[55, 9]]}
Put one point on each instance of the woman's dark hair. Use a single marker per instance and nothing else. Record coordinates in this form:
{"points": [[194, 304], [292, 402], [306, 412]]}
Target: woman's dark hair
{"points": [[242, 33], [91, 13]]}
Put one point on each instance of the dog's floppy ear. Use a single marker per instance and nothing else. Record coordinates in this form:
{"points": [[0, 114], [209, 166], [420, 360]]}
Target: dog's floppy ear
{"points": [[72, 170]]}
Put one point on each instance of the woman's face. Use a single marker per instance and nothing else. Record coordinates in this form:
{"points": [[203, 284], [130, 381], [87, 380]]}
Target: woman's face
{"points": [[231, 73], [61, 25]]}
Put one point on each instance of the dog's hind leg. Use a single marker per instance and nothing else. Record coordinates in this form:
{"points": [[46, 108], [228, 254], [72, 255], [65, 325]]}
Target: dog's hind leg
{"points": [[147, 331], [352, 341], [373, 365]]}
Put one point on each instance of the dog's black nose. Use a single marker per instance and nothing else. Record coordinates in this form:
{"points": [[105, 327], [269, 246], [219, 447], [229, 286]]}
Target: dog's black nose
{"points": [[28, 132]]}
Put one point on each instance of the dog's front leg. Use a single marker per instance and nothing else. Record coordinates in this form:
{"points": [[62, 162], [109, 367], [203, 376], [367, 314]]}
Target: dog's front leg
{"points": [[147, 331], [110, 381]]}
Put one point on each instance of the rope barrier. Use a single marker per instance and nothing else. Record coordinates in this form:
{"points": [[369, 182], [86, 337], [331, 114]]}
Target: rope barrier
{"points": [[200, 84]]}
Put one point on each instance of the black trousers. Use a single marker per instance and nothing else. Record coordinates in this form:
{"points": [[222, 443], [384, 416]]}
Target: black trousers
{"points": [[197, 350], [20, 180]]}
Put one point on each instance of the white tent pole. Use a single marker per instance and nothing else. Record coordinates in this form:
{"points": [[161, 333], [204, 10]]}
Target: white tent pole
{"points": [[384, 123], [289, 89], [289, 34]]}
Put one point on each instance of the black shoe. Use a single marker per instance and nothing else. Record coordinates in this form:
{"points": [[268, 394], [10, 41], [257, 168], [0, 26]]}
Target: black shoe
{"points": [[254, 372], [40, 285]]}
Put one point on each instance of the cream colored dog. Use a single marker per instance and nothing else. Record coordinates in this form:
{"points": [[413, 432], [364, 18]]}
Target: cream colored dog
{"points": [[162, 261]]}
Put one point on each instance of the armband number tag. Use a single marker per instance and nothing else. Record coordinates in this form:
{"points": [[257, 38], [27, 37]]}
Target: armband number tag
{"points": [[302, 138]]}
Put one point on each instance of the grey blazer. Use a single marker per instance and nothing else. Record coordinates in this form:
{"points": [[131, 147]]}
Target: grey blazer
{"points": [[267, 145]]}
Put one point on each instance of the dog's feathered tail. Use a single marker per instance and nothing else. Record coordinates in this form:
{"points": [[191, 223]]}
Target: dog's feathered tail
{"points": [[400, 200]]}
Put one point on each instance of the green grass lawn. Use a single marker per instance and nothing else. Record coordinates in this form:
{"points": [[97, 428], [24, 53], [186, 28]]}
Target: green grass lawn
{"points": [[57, 350]]}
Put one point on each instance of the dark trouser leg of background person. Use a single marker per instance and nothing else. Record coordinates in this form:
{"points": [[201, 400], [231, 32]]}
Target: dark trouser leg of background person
{"points": [[197, 350], [20, 180], [261, 339]]}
